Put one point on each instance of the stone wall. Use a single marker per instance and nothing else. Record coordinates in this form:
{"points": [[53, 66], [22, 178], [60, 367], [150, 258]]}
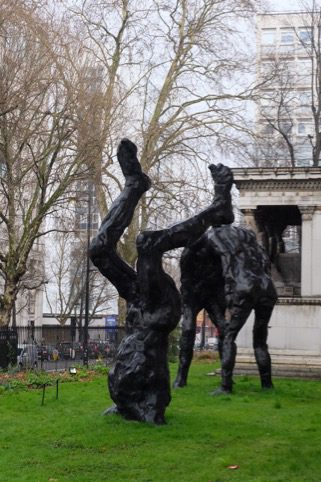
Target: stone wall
{"points": [[295, 328]]}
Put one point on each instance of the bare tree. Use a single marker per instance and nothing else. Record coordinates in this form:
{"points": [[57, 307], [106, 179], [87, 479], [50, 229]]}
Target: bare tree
{"points": [[66, 275], [169, 76], [310, 41], [165, 66], [74, 80], [37, 140]]}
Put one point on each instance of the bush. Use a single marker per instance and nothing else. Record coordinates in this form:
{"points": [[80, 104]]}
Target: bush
{"points": [[15, 384], [209, 356], [37, 379], [100, 368]]}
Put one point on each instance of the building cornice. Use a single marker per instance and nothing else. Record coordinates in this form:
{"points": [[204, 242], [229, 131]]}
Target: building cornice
{"points": [[278, 185], [277, 172], [282, 13], [278, 179]]}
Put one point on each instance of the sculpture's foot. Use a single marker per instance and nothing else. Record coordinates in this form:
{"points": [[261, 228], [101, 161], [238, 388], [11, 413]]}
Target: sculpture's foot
{"points": [[269, 386], [127, 158], [266, 381], [179, 383], [221, 391], [140, 416], [130, 166], [113, 410]]}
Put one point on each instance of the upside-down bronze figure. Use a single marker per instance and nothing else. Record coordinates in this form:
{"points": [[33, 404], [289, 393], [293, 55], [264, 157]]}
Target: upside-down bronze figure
{"points": [[139, 381]]}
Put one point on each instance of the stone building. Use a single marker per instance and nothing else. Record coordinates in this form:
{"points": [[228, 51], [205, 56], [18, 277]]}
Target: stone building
{"points": [[274, 200]]}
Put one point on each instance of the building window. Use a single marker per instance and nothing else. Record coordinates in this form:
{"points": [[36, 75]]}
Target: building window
{"points": [[268, 36], [287, 37], [305, 128], [291, 238], [267, 68], [304, 103], [305, 97], [268, 130], [32, 303], [304, 154], [286, 127], [3, 169], [305, 36], [304, 72]]}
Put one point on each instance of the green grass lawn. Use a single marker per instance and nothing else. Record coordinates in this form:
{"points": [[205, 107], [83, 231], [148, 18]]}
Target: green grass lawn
{"points": [[271, 436]]}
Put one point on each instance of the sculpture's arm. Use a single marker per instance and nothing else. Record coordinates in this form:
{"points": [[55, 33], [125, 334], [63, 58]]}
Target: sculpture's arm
{"points": [[186, 232]]}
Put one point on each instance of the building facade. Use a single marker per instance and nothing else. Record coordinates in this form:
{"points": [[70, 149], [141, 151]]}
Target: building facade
{"points": [[272, 199], [288, 70]]}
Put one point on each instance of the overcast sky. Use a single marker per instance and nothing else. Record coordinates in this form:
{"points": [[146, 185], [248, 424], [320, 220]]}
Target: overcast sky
{"points": [[287, 5]]}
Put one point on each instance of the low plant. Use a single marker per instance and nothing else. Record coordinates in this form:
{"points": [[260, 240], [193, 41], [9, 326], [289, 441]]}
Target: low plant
{"points": [[206, 355], [14, 384], [100, 368], [39, 378]]}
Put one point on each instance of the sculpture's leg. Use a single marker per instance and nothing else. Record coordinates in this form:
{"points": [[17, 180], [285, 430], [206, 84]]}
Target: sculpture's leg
{"points": [[260, 333], [239, 315], [103, 247], [216, 311], [186, 344]]}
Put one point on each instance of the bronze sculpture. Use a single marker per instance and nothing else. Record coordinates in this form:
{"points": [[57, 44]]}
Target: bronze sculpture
{"points": [[226, 268], [139, 381]]}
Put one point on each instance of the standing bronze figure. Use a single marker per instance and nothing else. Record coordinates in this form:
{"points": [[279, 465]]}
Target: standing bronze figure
{"points": [[226, 269], [139, 381]]}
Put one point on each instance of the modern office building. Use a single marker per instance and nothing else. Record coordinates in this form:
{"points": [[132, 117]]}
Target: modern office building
{"points": [[288, 60]]}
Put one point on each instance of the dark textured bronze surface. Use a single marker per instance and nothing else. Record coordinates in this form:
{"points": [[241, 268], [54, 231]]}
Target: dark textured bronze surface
{"points": [[139, 381], [226, 269]]}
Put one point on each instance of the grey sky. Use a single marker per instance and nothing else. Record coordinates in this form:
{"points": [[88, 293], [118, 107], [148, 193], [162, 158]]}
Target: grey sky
{"points": [[287, 5]]}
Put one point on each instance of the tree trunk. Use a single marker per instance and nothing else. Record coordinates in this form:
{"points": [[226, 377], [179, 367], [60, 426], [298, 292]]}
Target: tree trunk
{"points": [[122, 311], [7, 301]]}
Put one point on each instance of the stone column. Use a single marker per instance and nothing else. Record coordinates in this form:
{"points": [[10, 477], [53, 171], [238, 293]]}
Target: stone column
{"points": [[316, 252], [307, 250]]}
